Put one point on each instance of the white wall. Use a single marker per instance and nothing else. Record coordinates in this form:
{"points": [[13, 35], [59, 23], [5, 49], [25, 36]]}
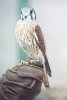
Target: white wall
{"points": [[52, 17], [7, 39]]}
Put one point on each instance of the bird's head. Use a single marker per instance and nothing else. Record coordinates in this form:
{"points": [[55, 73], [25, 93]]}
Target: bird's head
{"points": [[28, 13]]}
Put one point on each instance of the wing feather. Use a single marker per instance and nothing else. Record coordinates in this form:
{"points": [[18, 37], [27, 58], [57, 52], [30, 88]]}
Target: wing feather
{"points": [[41, 44]]}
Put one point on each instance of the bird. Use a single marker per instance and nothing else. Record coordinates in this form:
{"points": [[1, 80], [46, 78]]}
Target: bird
{"points": [[31, 38]]}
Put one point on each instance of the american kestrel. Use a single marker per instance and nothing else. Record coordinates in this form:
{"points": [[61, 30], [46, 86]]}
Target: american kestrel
{"points": [[30, 37]]}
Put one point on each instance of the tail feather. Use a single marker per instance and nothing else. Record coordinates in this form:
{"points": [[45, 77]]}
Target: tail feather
{"points": [[47, 85], [47, 66]]}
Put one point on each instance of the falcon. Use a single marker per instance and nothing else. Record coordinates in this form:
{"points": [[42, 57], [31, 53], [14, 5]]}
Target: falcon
{"points": [[30, 37]]}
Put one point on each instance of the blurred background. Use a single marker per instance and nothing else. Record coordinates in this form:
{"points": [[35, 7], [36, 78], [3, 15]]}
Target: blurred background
{"points": [[52, 17]]}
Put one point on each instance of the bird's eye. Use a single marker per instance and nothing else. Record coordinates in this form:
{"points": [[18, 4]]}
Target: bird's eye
{"points": [[31, 11], [31, 14]]}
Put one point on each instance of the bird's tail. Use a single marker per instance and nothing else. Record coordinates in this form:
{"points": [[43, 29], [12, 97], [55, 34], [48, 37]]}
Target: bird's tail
{"points": [[47, 85], [47, 66], [46, 82]]}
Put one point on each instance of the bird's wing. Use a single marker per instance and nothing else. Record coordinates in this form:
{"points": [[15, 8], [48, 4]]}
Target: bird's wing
{"points": [[41, 41], [41, 44]]}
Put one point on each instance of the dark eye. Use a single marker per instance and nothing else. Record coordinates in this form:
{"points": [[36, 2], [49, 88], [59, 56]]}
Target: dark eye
{"points": [[31, 11], [31, 14]]}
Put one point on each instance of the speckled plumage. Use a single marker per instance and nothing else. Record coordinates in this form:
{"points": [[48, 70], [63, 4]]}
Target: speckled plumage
{"points": [[26, 37]]}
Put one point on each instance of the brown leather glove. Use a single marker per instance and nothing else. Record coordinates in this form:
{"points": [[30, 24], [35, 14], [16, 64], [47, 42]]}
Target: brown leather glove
{"points": [[23, 82]]}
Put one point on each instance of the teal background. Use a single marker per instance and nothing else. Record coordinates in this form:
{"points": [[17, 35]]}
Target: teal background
{"points": [[20, 53]]}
